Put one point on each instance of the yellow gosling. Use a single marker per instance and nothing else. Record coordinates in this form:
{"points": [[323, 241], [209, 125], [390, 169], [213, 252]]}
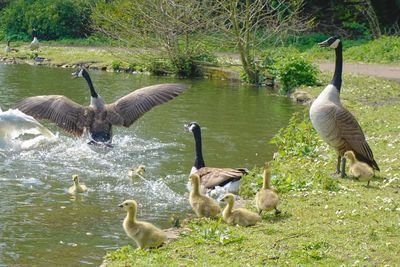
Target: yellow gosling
{"points": [[202, 205], [137, 171], [239, 216], [360, 170], [145, 234], [77, 187], [267, 198]]}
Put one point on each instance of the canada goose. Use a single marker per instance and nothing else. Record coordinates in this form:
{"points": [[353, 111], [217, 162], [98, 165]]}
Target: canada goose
{"points": [[239, 216], [8, 48], [77, 187], [137, 171], [145, 234], [358, 169], [267, 198], [334, 123], [227, 178], [34, 44], [14, 123], [202, 205], [98, 118]]}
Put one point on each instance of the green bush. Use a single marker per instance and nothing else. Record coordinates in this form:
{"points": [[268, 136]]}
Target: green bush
{"points": [[383, 50], [46, 19], [291, 70]]}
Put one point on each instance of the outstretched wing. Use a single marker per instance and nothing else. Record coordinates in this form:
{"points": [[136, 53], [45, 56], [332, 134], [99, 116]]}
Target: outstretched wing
{"points": [[352, 133], [131, 107], [59, 109]]}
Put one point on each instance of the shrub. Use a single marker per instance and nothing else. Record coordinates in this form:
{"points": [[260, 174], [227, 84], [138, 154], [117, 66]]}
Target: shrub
{"points": [[47, 19], [291, 70]]}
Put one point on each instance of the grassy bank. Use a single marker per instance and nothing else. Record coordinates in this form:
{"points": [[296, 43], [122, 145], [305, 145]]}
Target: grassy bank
{"points": [[67, 53], [325, 220]]}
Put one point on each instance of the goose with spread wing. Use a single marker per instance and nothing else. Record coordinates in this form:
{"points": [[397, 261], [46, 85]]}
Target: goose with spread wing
{"points": [[98, 118]]}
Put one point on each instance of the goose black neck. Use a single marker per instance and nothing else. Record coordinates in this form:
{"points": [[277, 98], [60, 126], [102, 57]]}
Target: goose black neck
{"points": [[89, 81], [337, 76], [198, 161]]}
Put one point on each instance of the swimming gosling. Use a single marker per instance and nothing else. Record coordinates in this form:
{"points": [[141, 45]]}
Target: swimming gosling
{"points": [[145, 234], [77, 187], [267, 198], [202, 205], [360, 170], [137, 171], [239, 216]]}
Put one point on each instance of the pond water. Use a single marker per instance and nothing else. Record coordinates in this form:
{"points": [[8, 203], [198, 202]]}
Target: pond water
{"points": [[41, 225]]}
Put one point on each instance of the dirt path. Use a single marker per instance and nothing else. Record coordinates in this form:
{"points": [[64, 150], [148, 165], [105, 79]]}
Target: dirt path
{"points": [[390, 72]]}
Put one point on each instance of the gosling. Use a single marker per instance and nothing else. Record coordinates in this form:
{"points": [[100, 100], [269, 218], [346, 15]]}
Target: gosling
{"points": [[77, 187], [137, 171], [145, 234], [267, 198], [360, 170], [202, 205], [239, 216]]}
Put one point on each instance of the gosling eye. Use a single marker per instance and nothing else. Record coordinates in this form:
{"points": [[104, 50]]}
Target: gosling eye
{"points": [[126, 204]]}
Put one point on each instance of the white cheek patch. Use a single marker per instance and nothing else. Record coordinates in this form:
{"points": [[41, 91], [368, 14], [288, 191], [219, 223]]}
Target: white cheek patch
{"points": [[335, 43], [191, 127], [80, 73]]}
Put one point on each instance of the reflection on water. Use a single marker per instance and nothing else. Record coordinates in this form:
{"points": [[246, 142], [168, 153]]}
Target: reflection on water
{"points": [[40, 222]]}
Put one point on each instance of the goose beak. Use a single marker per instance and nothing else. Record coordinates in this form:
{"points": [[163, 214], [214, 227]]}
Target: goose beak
{"points": [[120, 205], [186, 127], [323, 44], [221, 199], [75, 74]]}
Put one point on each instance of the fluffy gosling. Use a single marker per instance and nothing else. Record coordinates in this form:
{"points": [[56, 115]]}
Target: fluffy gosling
{"points": [[202, 205], [360, 170], [145, 234], [239, 216], [137, 171], [77, 187], [267, 198]]}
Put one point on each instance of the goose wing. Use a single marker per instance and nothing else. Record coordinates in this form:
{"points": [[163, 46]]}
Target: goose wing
{"points": [[352, 133], [131, 107], [65, 113], [212, 177]]}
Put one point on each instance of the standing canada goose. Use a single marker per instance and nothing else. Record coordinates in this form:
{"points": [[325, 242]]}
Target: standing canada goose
{"points": [[98, 118], [202, 205], [334, 123], [239, 216], [145, 234], [358, 169], [267, 198], [34, 44], [77, 187], [227, 178]]}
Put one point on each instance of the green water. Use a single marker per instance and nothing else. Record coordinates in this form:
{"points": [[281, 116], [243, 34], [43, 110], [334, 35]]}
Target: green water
{"points": [[40, 225]]}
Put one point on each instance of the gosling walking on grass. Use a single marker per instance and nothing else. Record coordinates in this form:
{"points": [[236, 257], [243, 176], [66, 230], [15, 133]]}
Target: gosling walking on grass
{"points": [[360, 170], [145, 234], [239, 216], [267, 198], [202, 205]]}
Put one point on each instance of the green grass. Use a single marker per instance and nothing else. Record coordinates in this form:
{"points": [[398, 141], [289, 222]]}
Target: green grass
{"points": [[325, 221]]}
